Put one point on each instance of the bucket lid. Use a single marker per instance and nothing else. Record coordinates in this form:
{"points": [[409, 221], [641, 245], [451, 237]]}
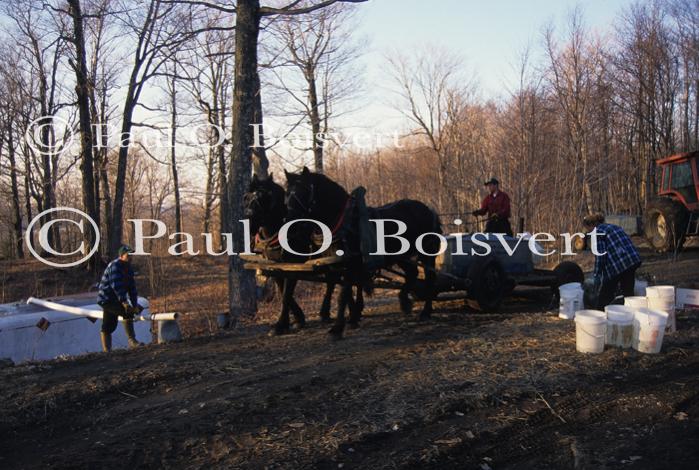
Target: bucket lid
{"points": [[591, 317], [660, 291], [636, 301], [651, 316], [570, 285], [620, 313]]}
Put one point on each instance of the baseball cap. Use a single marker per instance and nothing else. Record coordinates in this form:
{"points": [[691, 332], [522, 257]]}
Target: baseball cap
{"points": [[124, 249]]}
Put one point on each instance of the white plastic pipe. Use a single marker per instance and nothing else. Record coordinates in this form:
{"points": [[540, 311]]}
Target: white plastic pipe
{"points": [[65, 308], [97, 313]]}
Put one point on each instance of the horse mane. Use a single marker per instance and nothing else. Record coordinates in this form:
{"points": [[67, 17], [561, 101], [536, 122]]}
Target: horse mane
{"points": [[319, 180]]}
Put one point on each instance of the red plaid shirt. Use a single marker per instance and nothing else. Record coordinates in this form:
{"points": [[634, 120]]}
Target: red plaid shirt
{"points": [[498, 204]]}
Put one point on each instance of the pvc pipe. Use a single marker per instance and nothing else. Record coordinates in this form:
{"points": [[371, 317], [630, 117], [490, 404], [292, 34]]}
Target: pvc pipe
{"points": [[65, 308], [97, 313], [161, 316]]}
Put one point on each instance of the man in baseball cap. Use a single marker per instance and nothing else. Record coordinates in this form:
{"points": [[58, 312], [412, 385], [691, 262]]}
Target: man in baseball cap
{"points": [[497, 206], [116, 289]]}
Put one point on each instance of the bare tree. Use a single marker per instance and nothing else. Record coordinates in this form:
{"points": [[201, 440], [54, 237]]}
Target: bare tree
{"points": [[314, 62]]}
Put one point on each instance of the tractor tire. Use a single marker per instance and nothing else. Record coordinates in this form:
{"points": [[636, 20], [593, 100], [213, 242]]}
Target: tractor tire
{"points": [[664, 224], [489, 283]]}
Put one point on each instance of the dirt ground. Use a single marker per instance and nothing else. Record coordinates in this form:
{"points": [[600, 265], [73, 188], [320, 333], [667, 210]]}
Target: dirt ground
{"points": [[463, 390]]}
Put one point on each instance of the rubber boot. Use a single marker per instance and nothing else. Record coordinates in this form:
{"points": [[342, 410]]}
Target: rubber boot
{"points": [[131, 334], [106, 339]]}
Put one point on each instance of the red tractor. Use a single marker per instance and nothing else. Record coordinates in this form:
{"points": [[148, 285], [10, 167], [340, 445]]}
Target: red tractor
{"points": [[674, 213]]}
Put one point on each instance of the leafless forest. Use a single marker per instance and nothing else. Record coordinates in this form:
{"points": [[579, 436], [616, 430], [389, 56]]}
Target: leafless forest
{"points": [[578, 131]]}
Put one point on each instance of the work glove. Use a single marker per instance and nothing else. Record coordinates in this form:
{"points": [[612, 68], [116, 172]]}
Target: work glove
{"points": [[475, 213], [494, 217]]}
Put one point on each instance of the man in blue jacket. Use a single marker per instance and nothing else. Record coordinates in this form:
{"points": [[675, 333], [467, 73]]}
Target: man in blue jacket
{"points": [[616, 267], [116, 289]]}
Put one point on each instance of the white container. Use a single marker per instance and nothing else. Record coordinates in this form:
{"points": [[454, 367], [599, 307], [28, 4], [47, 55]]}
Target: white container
{"points": [[566, 290], [648, 330], [639, 288], [619, 325], [570, 303], [636, 302], [590, 331], [663, 298]]}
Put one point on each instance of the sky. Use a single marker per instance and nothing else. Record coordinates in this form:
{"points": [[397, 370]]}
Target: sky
{"points": [[488, 34]]}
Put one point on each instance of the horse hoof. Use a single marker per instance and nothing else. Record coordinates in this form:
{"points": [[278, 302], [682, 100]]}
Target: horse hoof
{"points": [[325, 318], [300, 324], [424, 316], [353, 325], [279, 330], [335, 333]]}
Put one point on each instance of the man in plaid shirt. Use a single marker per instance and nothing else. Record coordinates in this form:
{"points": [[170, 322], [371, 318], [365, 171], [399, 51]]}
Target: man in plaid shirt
{"points": [[617, 262], [116, 288]]}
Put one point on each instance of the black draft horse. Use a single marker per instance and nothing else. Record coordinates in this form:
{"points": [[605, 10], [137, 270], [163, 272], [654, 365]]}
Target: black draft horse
{"points": [[266, 211], [315, 196]]}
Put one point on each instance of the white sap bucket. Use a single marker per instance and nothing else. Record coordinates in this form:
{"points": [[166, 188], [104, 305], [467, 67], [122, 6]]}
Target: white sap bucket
{"points": [[569, 304], [571, 295], [619, 325], [636, 302], [648, 330], [639, 287], [663, 298], [590, 331]]}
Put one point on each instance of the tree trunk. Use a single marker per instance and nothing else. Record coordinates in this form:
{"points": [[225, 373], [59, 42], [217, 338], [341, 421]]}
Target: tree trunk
{"points": [[173, 158], [82, 91], [259, 155], [241, 282], [116, 231], [314, 115], [16, 207]]}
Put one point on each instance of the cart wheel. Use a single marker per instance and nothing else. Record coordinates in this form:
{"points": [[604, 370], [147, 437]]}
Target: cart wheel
{"points": [[488, 283], [566, 272]]}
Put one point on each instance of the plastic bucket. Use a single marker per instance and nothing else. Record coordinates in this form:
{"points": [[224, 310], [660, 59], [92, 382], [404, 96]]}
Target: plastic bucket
{"points": [[570, 288], [639, 287], [661, 291], [570, 303], [648, 330], [663, 298], [636, 302], [619, 325], [590, 331]]}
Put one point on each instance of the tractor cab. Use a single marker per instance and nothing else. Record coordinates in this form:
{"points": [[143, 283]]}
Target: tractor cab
{"points": [[679, 178], [674, 213]]}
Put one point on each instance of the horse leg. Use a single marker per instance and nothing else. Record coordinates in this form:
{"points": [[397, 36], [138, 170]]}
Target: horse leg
{"points": [[406, 303], [282, 324], [355, 308], [325, 306], [339, 326], [296, 311], [360, 300], [430, 278]]}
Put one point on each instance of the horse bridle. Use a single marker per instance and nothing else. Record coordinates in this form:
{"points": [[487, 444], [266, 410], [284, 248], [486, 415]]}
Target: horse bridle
{"points": [[252, 199], [308, 206]]}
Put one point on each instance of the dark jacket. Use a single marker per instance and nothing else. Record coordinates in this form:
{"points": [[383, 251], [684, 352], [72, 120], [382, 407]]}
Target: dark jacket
{"points": [[117, 284]]}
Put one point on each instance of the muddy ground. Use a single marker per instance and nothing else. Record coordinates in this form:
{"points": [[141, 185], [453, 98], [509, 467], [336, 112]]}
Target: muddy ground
{"points": [[464, 390]]}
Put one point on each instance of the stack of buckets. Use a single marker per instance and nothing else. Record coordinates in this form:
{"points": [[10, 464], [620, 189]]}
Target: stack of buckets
{"points": [[571, 295], [640, 323]]}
